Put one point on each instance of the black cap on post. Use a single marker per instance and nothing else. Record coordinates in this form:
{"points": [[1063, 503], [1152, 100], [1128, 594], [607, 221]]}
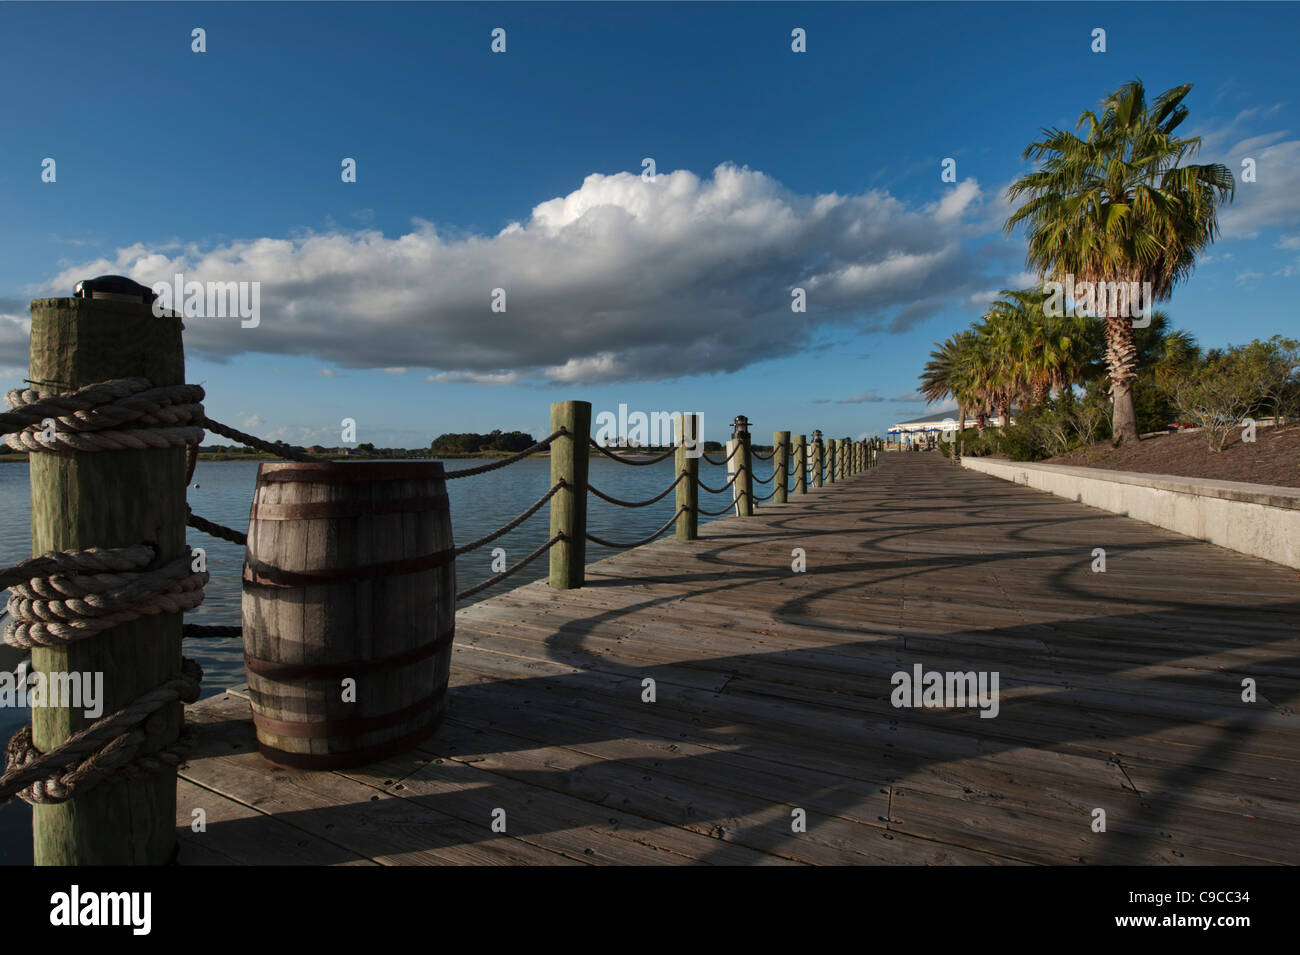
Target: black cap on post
{"points": [[117, 287]]}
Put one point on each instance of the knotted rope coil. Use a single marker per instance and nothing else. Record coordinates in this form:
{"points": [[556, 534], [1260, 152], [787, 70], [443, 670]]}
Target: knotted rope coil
{"points": [[110, 747], [73, 595], [63, 597], [91, 418]]}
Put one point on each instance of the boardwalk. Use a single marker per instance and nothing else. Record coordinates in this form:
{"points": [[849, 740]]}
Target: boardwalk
{"points": [[1120, 691]]}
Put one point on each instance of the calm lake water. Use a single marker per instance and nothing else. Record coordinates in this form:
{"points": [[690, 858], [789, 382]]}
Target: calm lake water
{"points": [[479, 505]]}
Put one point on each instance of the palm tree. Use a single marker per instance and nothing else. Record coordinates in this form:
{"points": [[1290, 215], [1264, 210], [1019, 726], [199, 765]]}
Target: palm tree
{"points": [[1119, 205], [1165, 352], [1032, 342], [950, 372]]}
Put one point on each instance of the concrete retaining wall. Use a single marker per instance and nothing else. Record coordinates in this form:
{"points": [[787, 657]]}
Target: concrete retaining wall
{"points": [[1255, 519]]}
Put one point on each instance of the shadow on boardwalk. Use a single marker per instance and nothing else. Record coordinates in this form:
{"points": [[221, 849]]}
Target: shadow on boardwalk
{"points": [[1119, 691]]}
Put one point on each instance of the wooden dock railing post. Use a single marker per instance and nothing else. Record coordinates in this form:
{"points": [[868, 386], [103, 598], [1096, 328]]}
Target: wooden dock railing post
{"points": [[569, 463], [818, 450], [780, 469], [744, 491], [800, 464], [687, 460], [109, 499]]}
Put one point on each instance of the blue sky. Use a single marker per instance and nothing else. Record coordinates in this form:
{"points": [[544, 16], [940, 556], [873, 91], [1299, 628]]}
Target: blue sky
{"points": [[521, 170]]}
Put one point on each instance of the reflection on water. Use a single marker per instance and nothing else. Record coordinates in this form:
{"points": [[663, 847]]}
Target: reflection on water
{"points": [[223, 491]]}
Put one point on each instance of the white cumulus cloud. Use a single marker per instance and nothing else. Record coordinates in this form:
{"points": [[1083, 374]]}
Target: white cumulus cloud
{"points": [[622, 279]]}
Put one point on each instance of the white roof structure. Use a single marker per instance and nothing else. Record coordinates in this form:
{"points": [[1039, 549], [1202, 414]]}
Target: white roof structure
{"points": [[934, 423], [926, 424]]}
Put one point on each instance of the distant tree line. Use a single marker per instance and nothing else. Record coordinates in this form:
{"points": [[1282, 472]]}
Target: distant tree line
{"points": [[469, 443]]}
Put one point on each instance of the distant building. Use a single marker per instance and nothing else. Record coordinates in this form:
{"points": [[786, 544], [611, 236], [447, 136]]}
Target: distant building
{"points": [[926, 429]]}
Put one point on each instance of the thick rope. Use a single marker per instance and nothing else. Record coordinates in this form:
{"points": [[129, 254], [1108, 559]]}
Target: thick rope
{"points": [[213, 529], [507, 528], [62, 607], [724, 460], [645, 540], [89, 418], [483, 469], [760, 500], [510, 570], [208, 631], [622, 460], [286, 451], [104, 405], [705, 487], [766, 457], [109, 747], [758, 480], [654, 500], [725, 510], [62, 597], [93, 560]]}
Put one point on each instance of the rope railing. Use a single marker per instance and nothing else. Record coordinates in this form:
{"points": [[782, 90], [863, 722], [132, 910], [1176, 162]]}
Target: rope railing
{"points": [[729, 507], [622, 460], [59, 598], [507, 528], [724, 460], [503, 462], [645, 540], [620, 503], [213, 529], [705, 487], [210, 631], [496, 579], [286, 451]]}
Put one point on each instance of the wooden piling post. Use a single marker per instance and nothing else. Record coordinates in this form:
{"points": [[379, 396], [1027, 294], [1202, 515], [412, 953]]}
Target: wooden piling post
{"points": [[780, 469], [744, 466], [800, 464], [569, 463], [818, 451], [687, 463], [109, 499]]}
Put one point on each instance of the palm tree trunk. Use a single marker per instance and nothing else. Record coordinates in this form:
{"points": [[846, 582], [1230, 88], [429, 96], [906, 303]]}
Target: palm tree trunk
{"points": [[1121, 362], [981, 421]]}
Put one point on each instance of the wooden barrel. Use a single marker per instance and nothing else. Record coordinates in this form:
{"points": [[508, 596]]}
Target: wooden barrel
{"points": [[349, 609]]}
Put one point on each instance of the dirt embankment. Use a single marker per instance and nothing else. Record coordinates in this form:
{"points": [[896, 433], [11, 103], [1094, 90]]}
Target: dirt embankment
{"points": [[1273, 457]]}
